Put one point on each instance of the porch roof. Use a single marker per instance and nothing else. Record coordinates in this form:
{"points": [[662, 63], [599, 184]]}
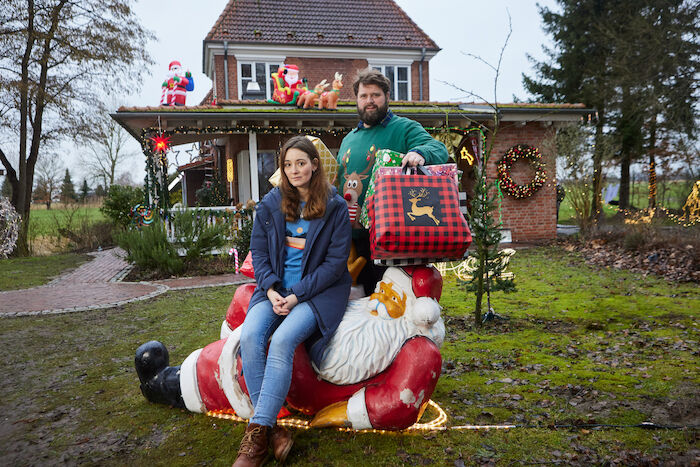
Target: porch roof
{"points": [[232, 114]]}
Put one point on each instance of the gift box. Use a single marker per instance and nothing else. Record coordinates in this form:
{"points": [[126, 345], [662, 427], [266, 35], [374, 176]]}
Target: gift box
{"points": [[417, 217], [383, 158]]}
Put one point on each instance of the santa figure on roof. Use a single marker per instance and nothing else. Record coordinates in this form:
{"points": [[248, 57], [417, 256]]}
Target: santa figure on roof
{"points": [[379, 370], [288, 85], [176, 85]]}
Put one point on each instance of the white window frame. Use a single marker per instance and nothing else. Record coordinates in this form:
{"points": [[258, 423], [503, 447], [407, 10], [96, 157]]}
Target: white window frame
{"points": [[399, 64], [270, 67]]}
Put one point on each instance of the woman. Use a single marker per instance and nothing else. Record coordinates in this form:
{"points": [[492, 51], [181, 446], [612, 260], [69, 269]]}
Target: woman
{"points": [[300, 245]]}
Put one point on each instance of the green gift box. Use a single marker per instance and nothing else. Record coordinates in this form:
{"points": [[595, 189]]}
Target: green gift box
{"points": [[383, 158]]}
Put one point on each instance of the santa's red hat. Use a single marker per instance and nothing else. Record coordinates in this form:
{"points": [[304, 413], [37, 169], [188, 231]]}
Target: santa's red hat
{"points": [[174, 63], [426, 281]]}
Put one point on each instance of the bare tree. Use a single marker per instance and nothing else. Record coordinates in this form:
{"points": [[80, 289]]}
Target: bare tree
{"points": [[106, 150], [50, 176], [55, 56]]}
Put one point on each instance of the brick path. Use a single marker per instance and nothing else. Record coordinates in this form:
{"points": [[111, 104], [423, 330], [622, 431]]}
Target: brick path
{"points": [[97, 285]]}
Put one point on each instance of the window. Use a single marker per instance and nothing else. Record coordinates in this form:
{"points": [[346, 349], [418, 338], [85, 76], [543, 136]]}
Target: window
{"points": [[399, 78], [255, 80], [267, 164]]}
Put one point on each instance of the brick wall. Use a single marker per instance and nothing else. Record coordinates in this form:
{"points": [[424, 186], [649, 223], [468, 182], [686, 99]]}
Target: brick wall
{"points": [[415, 81], [318, 69], [533, 218], [232, 79]]}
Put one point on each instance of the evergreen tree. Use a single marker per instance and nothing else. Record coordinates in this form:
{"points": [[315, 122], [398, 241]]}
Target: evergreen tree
{"points": [[84, 190], [634, 61], [6, 189], [67, 189], [100, 191]]}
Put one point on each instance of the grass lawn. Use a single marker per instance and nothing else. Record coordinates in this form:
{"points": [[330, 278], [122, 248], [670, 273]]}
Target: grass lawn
{"points": [[22, 273], [581, 345], [44, 222]]}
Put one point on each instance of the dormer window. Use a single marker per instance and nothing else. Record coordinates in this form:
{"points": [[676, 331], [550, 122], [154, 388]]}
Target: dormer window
{"points": [[255, 81], [400, 80]]}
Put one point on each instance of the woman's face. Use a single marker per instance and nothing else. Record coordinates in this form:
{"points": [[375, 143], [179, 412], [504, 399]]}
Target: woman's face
{"points": [[298, 168]]}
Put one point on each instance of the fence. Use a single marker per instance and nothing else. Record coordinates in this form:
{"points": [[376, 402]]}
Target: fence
{"points": [[214, 215]]}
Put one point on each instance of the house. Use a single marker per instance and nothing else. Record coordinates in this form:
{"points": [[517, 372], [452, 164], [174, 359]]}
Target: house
{"points": [[240, 131]]}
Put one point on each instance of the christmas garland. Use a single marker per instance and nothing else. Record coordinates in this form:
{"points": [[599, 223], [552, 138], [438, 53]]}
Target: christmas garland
{"points": [[506, 163]]}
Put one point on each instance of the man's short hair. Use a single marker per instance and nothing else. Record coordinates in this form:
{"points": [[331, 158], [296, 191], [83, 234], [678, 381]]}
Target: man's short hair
{"points": [[371, 76]]}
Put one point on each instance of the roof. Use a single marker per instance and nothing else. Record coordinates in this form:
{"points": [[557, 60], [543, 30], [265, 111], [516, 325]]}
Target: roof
{"points": [[361, 23], [228, 114]]}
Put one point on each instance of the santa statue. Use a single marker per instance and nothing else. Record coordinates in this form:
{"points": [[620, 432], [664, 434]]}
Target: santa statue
{"points": [[288, 86], [379, 370], [176, 85]]}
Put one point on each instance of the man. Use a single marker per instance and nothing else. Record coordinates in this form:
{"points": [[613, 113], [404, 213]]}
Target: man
{"points": [[378, 129]]}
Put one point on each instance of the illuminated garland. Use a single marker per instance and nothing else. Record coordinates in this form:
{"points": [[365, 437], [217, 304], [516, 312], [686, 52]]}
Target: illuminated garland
{"points": [[9, 228], [506, 163]]}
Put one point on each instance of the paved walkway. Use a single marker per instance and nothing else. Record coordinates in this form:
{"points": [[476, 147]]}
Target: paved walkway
{"points": [[97, 284]]}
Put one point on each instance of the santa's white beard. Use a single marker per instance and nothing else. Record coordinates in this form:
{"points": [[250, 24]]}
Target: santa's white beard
{"points": [[363, 345]]}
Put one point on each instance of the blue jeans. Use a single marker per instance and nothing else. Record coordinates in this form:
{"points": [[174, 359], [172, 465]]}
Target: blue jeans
{"points": [[268, 376]]}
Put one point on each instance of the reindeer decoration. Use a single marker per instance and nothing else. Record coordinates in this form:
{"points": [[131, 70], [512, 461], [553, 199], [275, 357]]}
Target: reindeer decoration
{"points": [[308, 99], [353, 188], [417, 211], [329, 99]]}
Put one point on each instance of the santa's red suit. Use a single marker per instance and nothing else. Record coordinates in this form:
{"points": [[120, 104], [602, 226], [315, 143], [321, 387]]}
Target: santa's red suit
{"points": [[176, 86], [287, 85], [390, 398]]}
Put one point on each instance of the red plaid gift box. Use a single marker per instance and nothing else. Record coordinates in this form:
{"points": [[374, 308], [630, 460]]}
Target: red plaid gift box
{"points": [[417, 216]]}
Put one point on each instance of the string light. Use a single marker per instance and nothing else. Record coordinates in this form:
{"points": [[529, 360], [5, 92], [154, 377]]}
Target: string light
{"points": [[505, 164], [437, 423]]}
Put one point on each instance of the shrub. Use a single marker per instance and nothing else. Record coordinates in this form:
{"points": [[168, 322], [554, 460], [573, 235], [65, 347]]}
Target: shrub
{"points": [[194, 235], [149, 248], [118, 203], [241, 237]]}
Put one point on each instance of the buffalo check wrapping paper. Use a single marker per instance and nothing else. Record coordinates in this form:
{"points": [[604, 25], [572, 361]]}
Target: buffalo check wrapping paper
{"points": [[417, 217]]}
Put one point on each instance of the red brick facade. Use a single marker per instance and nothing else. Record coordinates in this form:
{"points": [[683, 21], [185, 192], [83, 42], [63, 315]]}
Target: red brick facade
{"points": [[316, 70], [533, 218]]}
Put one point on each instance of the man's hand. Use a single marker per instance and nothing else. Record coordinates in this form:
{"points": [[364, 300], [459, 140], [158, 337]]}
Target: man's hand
{"points": [[412, 159]]}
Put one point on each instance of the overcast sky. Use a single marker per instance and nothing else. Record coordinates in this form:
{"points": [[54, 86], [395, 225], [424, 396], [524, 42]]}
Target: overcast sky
{"points": [[457, 26]]}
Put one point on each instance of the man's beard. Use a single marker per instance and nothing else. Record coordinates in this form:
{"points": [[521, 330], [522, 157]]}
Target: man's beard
{"points": [[363, 345], [374, 117]]}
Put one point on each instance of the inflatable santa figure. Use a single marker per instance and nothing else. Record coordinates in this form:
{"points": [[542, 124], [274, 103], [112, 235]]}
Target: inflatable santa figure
{"points": [[288, 86], [379, 370], [176, 85]]}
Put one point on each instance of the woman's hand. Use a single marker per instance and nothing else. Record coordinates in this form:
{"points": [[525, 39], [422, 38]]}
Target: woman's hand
{"points": [[290, 302], [277, 301]]}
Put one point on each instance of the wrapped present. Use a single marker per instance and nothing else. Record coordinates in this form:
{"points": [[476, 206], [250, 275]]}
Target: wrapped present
{"points": [[449, 170], [383, 158], [417, 217]]}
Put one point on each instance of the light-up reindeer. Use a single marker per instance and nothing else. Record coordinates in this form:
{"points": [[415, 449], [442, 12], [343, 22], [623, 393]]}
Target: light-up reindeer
{"points": [[308, 99], [417, 211], [329, 99]]}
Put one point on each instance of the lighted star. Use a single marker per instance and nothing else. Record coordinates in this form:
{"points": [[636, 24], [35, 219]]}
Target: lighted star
{"points": [[161, 143]]}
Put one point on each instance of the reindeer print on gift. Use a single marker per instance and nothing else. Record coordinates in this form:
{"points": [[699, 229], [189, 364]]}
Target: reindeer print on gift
{"points": [[427, 213]]}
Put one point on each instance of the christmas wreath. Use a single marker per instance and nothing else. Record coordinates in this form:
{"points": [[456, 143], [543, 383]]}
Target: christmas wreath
{"points": [[506, 163]]}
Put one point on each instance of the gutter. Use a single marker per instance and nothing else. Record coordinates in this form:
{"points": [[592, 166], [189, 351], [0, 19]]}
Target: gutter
{"points": [[420, 74], [226, 69]]}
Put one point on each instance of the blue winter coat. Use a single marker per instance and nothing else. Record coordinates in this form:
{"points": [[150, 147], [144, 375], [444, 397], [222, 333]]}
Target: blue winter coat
{"points": [[325, 282]]}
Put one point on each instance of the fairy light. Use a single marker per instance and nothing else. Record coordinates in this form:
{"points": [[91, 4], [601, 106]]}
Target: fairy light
{"points": [[437, 423], [506, 163]]}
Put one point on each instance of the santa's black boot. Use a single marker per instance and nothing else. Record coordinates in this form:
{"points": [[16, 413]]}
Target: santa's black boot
{"points": [[160, 383]]}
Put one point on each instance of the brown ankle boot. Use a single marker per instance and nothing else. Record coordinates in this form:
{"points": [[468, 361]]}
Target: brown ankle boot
{"points": [[254, 446], [281, 442]]}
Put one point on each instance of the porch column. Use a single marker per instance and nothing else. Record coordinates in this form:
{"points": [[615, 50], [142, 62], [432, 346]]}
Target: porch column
{"points": [[253, 155]]}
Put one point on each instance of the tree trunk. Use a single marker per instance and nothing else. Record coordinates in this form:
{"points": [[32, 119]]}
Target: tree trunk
{"points": [[652, 163], [625, 181], [598, 153]]}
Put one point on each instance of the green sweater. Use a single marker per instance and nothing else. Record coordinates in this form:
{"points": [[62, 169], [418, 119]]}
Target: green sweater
{"points": [[356, 154]]}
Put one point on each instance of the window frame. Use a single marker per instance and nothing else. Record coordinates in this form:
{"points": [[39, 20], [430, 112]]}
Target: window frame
{"points": [[270, 67], [395, 84]]}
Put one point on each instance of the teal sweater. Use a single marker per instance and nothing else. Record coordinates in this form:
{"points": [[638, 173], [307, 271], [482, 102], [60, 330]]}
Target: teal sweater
{"points": [[396, 133]]}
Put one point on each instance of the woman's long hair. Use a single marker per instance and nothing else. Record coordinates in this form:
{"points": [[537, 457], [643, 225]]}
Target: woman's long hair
{"points": [[319, 188]]}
